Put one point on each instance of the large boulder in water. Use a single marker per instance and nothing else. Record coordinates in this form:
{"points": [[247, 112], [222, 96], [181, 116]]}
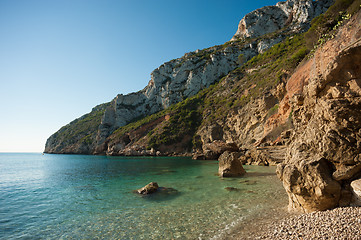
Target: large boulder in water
{"points": [[148, 189], [230, 165]]}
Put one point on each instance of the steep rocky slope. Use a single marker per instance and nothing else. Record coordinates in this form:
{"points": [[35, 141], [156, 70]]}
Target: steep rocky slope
{"points": [[184, 77]]}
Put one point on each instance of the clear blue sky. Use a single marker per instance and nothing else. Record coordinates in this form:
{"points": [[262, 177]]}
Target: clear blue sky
{"points": [[58, 59]]}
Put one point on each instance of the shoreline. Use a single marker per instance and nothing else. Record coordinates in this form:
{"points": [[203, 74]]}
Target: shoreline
{"points": [[251, 228]]}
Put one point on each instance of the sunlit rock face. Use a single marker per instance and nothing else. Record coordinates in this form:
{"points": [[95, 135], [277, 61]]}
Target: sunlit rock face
{"points": [[293, 14], [324, 157]]}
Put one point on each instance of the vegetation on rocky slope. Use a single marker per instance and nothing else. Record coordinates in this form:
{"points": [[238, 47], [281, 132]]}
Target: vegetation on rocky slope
{"points": [[252, 80], [82, 130], [324, 26]]}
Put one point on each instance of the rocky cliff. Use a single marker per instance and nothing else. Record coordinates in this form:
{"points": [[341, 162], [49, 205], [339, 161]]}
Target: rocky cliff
{"points": [[184, 77], [323, 156]]}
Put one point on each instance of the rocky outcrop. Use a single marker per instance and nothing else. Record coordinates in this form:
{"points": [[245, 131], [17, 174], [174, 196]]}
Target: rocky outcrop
{"points": [[295, 15], [264, 156], [246, 125], [212, 151], [229, 165], [324, 157]]}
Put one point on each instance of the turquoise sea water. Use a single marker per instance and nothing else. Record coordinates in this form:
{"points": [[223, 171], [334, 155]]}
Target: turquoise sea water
{"points": [[90, 197]]}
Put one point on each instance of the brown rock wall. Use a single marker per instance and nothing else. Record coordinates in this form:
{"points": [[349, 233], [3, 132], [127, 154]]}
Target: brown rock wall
{"points": [[324, 154]]}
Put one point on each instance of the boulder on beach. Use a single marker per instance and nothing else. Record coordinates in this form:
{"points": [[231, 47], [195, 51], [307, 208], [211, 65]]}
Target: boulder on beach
{"points": [[356, 191], [230, 165]]}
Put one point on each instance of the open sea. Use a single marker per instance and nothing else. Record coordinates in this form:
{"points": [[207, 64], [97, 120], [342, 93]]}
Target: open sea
{"points": [[91, 197]]}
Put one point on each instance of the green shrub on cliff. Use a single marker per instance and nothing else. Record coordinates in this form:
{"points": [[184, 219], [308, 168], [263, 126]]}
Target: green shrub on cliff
{"points": [[324, 24], [184, 121]]}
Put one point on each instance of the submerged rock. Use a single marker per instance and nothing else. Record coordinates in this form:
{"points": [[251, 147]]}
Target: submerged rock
{"points": [[249, 182], [148, 189], [232, 189], [164, 191], [230, 165]]}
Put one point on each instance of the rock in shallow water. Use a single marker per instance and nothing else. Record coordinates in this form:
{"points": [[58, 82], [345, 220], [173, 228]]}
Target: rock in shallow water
{"points": [[155, 192], [148, 189], [232, 189], [230, 165]]}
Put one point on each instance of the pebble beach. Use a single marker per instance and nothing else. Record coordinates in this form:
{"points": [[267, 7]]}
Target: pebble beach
{"points": [[339, 223], [336, 224]]}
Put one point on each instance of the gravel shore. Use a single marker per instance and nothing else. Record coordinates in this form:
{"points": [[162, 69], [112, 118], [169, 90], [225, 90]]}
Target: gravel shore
{"points": [[339, 223]]}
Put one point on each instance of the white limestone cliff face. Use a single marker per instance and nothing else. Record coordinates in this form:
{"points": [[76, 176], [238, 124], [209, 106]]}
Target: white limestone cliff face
{"points": [[293, 14], [171, 83]]}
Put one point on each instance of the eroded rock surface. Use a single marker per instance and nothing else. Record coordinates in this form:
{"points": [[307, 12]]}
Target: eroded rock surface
{"points": [[324, 154]]}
